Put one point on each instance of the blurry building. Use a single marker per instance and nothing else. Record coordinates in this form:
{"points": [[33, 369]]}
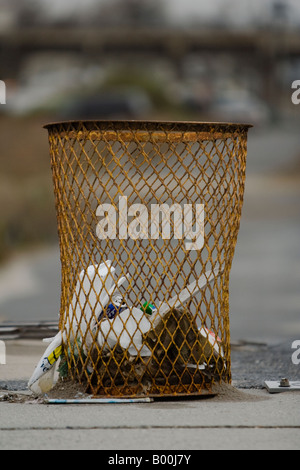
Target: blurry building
{"points": [[200, 56]]}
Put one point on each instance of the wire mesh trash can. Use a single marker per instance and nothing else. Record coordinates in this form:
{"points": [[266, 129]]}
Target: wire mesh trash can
{"points": [[148, 217]]}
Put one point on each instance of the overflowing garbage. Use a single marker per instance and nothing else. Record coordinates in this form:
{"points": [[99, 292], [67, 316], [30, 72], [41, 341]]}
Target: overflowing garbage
{"points": [[129, 345]]}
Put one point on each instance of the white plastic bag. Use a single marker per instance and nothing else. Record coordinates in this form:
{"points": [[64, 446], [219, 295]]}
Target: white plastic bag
{"points": [[92, 292], [126, 329]]}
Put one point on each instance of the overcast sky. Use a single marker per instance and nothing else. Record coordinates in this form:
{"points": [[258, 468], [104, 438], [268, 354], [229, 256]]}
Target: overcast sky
{"points": [[238, 11]]}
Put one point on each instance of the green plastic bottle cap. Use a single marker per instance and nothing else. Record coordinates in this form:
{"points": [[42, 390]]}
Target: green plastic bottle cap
{"points": [[148, 308]]}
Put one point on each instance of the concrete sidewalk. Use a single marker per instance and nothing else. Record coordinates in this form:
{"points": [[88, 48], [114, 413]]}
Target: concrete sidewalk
{"points": [[242, 419], [265, 422]]}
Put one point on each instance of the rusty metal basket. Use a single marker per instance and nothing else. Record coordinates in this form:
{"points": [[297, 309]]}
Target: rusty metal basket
{"points": [[148, 217]]}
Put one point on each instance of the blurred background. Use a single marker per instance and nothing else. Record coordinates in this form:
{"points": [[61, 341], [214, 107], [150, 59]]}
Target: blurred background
{"points": [[222, 60]]}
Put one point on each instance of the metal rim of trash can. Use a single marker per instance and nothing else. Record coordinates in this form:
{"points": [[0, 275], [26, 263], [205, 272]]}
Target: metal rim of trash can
{"points": [[153, 133]]}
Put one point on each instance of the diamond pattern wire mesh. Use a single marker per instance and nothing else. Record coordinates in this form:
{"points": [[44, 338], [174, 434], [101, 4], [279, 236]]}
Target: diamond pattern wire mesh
{"points": [[96, 163]]}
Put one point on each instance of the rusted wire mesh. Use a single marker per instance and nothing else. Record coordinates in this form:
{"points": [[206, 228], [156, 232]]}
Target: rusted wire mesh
{"points": [[156, 208]]}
